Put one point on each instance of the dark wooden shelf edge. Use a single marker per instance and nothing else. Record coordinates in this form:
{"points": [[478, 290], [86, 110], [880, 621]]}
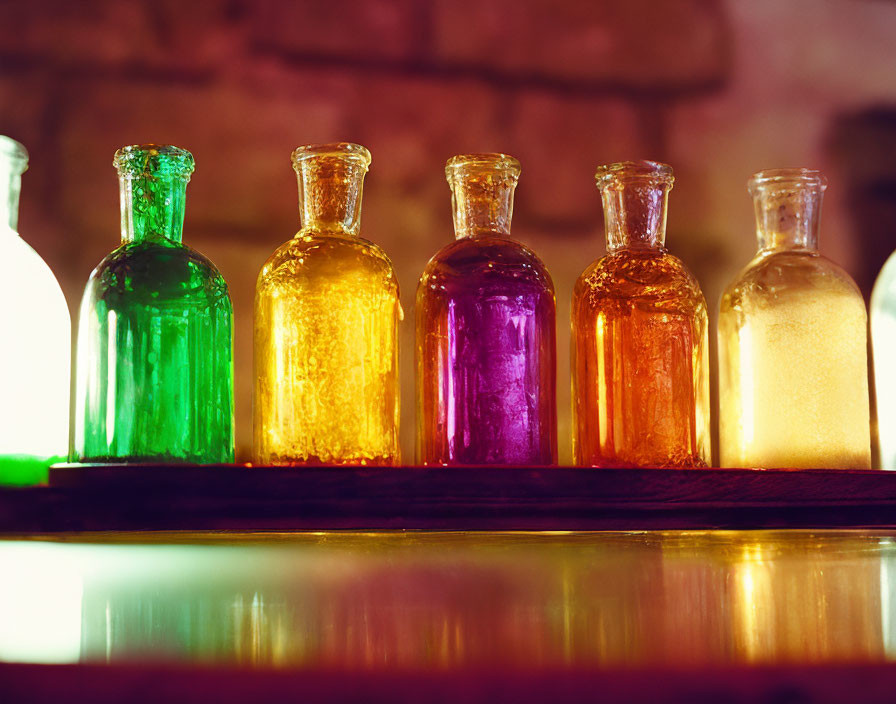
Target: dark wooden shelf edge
{"points": [[870, 683], [133, 498]]}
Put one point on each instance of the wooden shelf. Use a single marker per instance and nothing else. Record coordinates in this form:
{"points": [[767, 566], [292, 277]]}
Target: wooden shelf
{"points": [[762, 683], [129, 498]]}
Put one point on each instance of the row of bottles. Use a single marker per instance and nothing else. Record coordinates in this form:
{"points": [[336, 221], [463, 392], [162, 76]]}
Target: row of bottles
{"points": [[154, 369]]}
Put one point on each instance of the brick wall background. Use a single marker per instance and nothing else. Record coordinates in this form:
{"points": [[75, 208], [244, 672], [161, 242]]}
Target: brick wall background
{"points": [[717, 88]]}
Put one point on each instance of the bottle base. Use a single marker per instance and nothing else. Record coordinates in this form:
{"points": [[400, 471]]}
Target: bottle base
{"points": [[314, 461]]}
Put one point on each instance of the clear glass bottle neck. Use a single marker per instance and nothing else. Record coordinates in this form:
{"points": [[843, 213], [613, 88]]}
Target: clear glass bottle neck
{"points": [[152, 207], [635, 212], [153, 182], [13, 163], [788, 212], [10, 188], [482, 188], [330, 190]]}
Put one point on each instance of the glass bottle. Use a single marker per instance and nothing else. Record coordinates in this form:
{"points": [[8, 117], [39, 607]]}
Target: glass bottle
{"points": [[35, 351], [883, 340], [640, 369], [326, 328], [154, 374], [793, 378], [485, 327]]}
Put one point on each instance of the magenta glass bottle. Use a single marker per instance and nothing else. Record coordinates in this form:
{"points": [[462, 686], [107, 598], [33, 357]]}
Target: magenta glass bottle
{"points": [[485, 325]]}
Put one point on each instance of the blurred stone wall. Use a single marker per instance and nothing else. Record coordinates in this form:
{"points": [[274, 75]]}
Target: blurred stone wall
{"points": [[719, 89]]}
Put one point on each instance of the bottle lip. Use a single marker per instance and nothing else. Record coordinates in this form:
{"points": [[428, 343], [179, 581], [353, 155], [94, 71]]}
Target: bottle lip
{"points": [[787, 178], [141, 160], [608, 175], [339, 150], [14, 153], [484, 161]]}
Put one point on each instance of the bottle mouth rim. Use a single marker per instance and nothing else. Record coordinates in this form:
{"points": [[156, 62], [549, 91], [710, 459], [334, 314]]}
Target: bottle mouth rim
{"points": [[339, 150], [787, 177], [153, 159], [641, 170], [14, 152], [490, 161]]}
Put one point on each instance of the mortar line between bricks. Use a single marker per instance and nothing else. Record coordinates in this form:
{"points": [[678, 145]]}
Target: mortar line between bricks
{"points": [[497, 78], [12, 64], [17, 64]]}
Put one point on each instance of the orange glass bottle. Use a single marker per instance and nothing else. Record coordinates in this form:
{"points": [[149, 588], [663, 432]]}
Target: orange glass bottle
{"points": [[640, 367]]}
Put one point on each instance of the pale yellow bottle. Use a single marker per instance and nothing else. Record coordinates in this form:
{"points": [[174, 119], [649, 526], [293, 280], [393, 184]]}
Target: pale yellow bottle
{"points": [[793, 378], [326, 328]]}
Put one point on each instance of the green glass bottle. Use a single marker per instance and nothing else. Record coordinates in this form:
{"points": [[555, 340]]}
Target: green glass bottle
{"points": [[154, 370]]}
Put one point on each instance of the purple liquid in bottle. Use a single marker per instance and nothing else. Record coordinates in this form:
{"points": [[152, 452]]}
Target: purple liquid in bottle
{"points": [[486, 352]]}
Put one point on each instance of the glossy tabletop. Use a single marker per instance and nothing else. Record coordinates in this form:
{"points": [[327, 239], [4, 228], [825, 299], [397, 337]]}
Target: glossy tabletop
{"points": [[444, 600]]}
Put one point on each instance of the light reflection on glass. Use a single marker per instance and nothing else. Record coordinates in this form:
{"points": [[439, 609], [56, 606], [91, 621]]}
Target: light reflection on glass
{"points": [[442, 600], [888, 599], [40, 603]]}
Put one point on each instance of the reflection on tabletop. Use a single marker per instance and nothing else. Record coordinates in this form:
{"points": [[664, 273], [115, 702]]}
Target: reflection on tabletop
{"points": [[369, 600]]}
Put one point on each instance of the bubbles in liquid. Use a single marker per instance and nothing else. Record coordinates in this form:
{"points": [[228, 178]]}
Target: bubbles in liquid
{"points": [[326, 335]]}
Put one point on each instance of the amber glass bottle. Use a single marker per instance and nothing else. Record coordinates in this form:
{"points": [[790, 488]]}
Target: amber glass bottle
{"points": [[793, 379], [486, 352], [326, 328], [640, 381]]}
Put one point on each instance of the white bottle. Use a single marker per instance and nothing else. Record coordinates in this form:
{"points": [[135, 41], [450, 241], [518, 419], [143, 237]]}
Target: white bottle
{"points": [[35, 343], [883, 342]]}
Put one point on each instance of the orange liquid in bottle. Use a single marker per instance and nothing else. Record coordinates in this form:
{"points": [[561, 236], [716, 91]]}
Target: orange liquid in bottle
{"points": [[640, 329]]}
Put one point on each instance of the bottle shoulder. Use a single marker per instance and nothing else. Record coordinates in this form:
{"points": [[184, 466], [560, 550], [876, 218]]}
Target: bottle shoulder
{"points": [[883, 295], [310, 256], [158, 270], [25, 274], [648, 275], [775, 276], [486, 258]]}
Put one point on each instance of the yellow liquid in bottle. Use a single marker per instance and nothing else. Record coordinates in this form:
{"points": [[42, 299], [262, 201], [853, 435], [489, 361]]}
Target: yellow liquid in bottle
{"points": [[326, 354], [793, 362]]}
